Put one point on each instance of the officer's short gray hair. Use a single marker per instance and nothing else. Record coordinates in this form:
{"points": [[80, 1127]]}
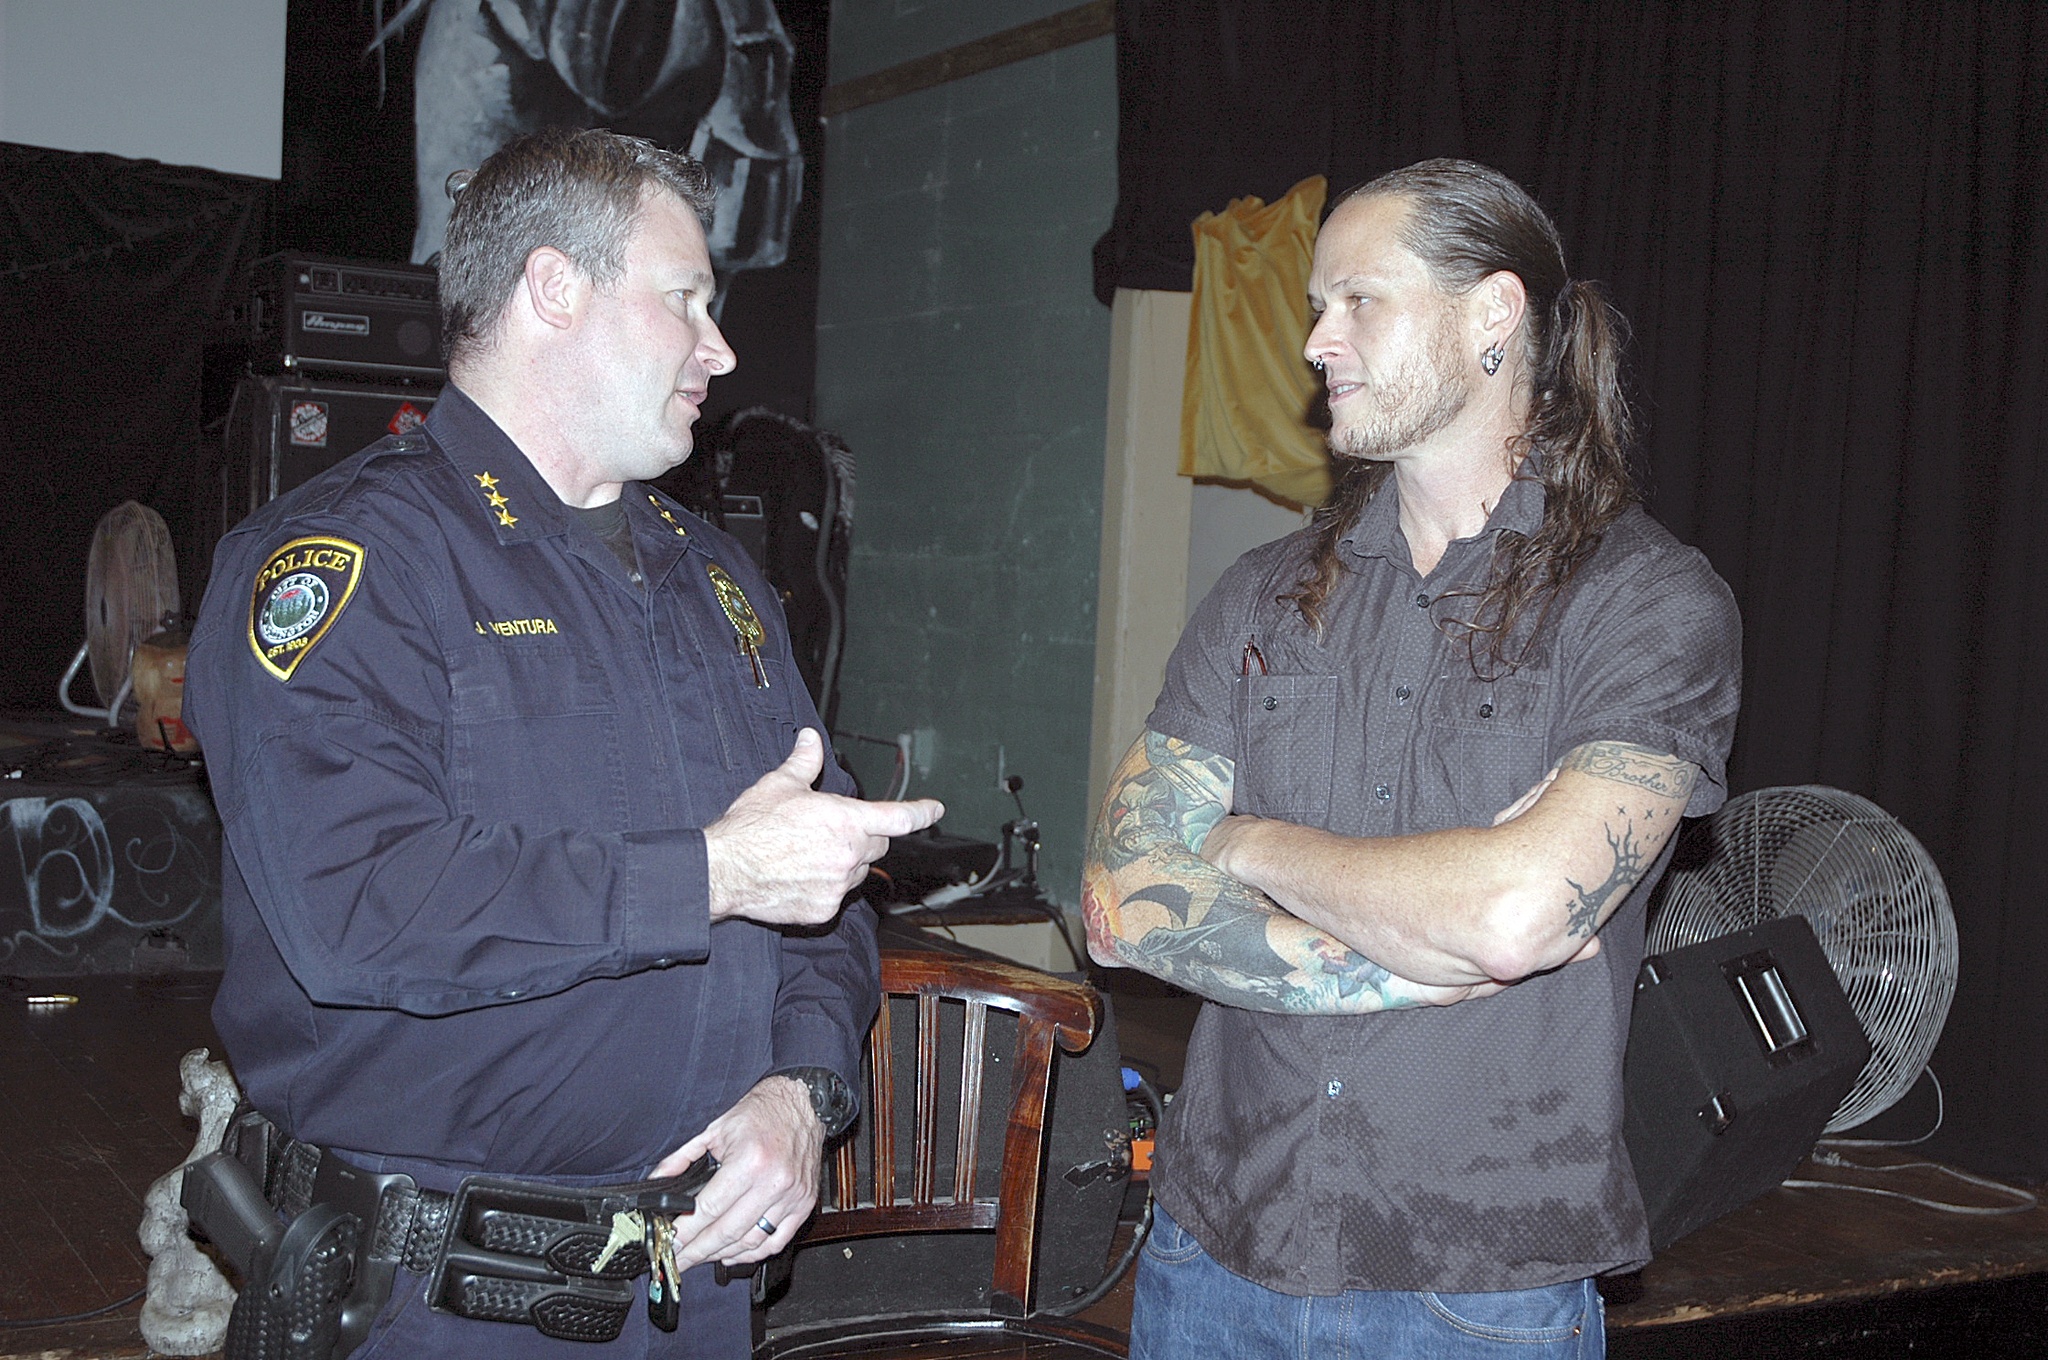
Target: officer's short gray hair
{"points": [[578, 191]]}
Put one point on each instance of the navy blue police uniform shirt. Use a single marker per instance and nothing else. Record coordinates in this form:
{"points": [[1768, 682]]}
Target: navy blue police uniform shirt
{"points": [[463, 762]]}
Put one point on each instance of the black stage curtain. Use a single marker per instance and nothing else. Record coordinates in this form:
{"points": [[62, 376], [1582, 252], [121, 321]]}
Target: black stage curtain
{"points": [[1828, 223], [111, 272]]}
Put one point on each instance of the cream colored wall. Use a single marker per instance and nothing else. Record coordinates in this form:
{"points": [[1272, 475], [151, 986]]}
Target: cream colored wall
{"points": [[1165, 539], [1226, 522], [1146, 507]]}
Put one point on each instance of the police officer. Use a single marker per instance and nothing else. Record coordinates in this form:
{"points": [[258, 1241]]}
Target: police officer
{"points": [[525, 872]]}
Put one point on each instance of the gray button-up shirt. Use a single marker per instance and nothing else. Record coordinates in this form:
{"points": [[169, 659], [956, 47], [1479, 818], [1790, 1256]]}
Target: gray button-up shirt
{"points": [[1470, 1147]]}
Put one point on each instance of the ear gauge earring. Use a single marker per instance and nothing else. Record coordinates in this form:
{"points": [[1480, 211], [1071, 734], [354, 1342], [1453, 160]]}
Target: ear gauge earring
{"points": [[1491, 360]]}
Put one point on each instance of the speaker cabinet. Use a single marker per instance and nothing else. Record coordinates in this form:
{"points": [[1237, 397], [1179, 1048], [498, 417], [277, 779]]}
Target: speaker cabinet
{"points": [[282, 430], [1740, 1049]]}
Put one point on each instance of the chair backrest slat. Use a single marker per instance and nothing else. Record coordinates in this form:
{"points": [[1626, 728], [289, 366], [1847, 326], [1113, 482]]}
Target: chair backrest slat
{"points": [[927, 1145], [967, 1136], [845, 1178], [881, 1114]]}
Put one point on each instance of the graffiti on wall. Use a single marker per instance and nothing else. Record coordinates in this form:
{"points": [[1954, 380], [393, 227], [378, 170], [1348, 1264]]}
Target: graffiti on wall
{"points": [[86, 876]]}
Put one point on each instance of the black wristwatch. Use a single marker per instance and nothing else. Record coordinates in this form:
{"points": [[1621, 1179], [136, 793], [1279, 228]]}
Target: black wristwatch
{"points": [[831, 1099]]}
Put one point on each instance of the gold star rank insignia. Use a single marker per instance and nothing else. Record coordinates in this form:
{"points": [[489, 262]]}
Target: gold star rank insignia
{"points": [[681, 532], [496, 498]]}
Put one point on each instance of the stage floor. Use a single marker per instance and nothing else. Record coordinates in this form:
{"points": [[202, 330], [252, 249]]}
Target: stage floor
{"points": [[89, 1117]]}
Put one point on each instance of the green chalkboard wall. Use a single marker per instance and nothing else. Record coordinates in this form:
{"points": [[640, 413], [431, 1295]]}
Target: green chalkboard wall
{"points": [[964, 358]]}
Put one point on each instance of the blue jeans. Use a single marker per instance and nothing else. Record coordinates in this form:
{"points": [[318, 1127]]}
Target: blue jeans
{"points": [[1187, 1305]]}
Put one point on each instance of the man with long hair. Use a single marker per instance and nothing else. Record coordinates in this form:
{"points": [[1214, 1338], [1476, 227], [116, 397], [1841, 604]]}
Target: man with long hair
{"points": [[1398, 812]]}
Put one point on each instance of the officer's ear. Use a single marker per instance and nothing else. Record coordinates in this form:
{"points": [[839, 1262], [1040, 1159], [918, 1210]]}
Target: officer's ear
{"points": [[553, 288]]}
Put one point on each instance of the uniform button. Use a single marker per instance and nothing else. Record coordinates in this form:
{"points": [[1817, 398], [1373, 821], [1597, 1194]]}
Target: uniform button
{"points": [[1383, 793], [1271, 703], [1404, 694], [1486, 710], [1334, 1089], [1422, 601]]}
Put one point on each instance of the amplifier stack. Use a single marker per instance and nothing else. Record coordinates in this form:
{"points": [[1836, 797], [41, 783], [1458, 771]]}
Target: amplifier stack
{"points": [[333, 355]]}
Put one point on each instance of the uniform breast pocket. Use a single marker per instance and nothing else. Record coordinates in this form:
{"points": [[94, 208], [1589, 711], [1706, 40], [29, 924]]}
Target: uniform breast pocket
{"points": [[1487, 738], [1289, 729], [536, 737]]}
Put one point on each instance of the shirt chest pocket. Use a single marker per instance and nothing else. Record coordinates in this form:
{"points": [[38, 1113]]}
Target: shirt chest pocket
{"points": [[1488, 739], [749, 710], [1287, 728], [535, 736]]}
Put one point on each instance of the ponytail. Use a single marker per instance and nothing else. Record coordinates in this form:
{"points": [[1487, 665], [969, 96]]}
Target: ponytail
{"points": [[1581, 429]]}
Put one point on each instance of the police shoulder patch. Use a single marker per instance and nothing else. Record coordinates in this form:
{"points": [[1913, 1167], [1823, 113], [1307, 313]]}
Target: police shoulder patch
{"points": [[300, 591]]}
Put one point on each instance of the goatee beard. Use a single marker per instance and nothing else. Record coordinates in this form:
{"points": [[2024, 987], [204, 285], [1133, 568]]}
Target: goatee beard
{"points": [[1421, 398]]}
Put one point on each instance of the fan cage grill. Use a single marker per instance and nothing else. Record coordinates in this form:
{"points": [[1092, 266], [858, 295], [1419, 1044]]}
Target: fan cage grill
{"points": [[1871, 893]]}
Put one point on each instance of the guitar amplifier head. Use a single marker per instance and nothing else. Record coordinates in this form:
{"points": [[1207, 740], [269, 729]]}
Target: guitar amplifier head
{"points": [[346, 318]]}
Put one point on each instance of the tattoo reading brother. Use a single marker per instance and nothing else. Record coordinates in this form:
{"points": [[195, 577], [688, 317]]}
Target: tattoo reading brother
{"points": [[1637, 765]]}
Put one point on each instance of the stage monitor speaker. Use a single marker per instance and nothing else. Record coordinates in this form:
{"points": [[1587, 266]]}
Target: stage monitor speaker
{"points": [[1739, 1051], [1086, 1172], [308, 313], [283, 430]]}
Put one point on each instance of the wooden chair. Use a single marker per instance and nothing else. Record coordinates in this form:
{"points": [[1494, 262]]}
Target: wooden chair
{"points": [[866, 1196]]}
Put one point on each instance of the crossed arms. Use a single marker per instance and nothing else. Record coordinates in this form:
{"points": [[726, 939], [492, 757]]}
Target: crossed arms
{"points": [[1273, 916]]}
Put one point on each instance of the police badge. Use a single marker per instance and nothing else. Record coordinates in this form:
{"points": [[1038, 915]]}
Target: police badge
{"points": [[746, 624], [299, 593]]}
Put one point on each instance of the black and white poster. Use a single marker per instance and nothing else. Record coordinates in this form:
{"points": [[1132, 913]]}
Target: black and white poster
{"points": [[385, 98]]}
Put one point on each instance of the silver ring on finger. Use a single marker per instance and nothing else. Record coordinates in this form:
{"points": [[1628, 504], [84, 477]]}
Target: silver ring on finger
{"points": [[767, 1228]]}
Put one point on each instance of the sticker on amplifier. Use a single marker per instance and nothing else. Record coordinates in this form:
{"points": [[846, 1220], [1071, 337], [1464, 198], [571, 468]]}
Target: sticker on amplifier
{"points": [[334, 323], [406, 418], [309, 424]]}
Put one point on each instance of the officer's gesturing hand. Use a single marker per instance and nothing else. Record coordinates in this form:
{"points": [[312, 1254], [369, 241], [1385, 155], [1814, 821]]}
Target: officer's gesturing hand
{"points": [[786, 854], [770, 1150]]}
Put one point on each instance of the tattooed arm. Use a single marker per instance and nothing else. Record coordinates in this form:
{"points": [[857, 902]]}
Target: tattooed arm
{"points": [[1154, 904], [1460, 906]]}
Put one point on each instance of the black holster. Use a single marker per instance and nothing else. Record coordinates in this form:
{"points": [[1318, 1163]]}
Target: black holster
{"points": [[312, 1280]]}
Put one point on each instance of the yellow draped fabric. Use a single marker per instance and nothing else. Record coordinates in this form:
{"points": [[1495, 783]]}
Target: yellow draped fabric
{"points": [[1244, 409]]}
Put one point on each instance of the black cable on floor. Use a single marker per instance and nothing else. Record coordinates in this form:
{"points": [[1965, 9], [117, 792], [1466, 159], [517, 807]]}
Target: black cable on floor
{"points": [[86, 1316], [1149, 1097]]}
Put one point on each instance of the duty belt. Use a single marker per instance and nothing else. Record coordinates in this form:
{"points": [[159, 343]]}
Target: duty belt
{"points": [[559, 1259], [407, 1226]]}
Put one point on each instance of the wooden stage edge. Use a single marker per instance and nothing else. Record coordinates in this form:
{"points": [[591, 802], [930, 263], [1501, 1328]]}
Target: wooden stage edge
{"points": [[1796, 1247], [89, 1117]]}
